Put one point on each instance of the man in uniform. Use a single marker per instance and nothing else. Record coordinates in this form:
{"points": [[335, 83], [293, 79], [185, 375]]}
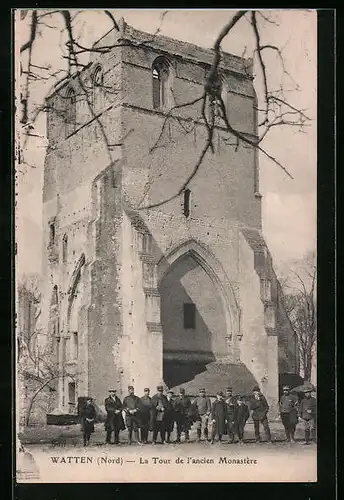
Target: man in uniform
{"points": [[288, 412], [182, 410], [260, 408], [203, 405], [307, 412], [131, 407], [146, 407], [231, 403], [159, 407], [114, 420]]}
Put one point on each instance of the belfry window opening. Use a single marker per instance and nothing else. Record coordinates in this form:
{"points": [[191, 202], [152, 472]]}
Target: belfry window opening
{"points": [[186, 202], [161, 82]]}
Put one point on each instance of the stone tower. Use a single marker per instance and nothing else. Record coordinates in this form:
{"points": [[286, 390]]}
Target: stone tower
{"points": [[182, 292]]}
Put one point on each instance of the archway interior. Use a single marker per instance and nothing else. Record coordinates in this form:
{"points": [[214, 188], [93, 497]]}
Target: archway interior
{"points": [[193, 321]]}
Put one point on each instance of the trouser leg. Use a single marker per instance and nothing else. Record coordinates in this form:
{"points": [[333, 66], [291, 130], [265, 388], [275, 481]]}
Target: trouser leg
{"points": [[292, 431], [162, 432], [286, 425], [266, 428], [108, 437], [130, 433], [179, 431], [256, 430], [116, 436], [84, 438]]}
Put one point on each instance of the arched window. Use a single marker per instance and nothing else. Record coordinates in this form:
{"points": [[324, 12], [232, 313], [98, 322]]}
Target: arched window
{"points": [[161, 76], [186, 202], [65, 249], [98, 89], [70, 111]]}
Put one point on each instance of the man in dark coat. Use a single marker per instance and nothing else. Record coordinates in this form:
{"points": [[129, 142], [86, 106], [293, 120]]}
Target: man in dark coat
{"points": [[114, 422], [288, 412], [87, 418], [145, 414], [132, 407], [260, 408], [231, 409], [241, 415], [203, 405], [159, 408], [218, 417], [169, 415], [307, 412], [182, 409]]}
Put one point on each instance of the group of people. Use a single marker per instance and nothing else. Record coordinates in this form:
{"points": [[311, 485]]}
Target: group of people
{"points": [[227, 415]]}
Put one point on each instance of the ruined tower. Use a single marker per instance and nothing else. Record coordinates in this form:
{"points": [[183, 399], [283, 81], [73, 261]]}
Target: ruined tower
{"points": [[184, 291]]}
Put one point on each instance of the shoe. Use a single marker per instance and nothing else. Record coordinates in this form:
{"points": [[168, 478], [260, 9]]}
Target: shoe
{"points": [[212, 441], [177, 441], [129, 442], [162, 442], [306, 442], [139, 443], [198, 440], [153, 442]]}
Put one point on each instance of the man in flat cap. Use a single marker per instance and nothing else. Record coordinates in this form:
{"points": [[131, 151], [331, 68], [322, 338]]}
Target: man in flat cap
{"points": [[307, 412], [288, 411], [219, 417], [231, 403], [169, 415], [203, 405], [146, 408], [182, 411], [241, 415], [159, 408], [131, 407], [260, 408], [87, 418], [114, 422]]}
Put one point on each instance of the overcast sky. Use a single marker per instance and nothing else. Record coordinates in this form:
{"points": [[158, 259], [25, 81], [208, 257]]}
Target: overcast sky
{"points": [[289, 206]]}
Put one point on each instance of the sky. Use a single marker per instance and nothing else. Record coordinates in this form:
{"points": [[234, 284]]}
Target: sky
{"points": [[289, 205]]}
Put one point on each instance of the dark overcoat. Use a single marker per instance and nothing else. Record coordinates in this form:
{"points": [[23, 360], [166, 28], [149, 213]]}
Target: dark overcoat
{"points": [[259, 407], [114, 419], [241, 415], [219, 413], [231, 407], [160, 406], [88, 415], [288, 404], [183, 412]]}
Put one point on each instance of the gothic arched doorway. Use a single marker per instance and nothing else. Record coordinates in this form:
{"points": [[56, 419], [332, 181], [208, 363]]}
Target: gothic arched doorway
{"points": [[194, 319]]}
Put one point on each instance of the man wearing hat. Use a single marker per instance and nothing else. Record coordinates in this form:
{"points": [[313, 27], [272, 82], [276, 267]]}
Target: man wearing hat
{"points": [[146, 407], [231, 403], [241, 415], [182, 410], [114, 422], [87, 416], [288, 412], [131, 407], [203, 405], [307, 412], [260, 408], [219, 417], [159, 408], [169, 415]]}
